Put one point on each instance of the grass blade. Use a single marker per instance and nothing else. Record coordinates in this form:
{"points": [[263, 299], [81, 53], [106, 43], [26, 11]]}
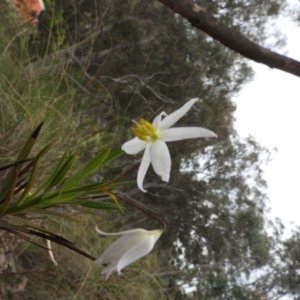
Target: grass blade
{"points": [[33, 173], [90, 167], [8, 195], [60, 174], [14, 164], [9, 184], [29, 144], [112, 155]]}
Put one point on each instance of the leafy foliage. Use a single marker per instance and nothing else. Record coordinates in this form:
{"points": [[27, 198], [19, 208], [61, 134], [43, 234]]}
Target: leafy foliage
{"points": [[20, 197]]}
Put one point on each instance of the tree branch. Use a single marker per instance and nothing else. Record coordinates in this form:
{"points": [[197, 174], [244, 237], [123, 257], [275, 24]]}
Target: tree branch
{"points": [[230, 38]]}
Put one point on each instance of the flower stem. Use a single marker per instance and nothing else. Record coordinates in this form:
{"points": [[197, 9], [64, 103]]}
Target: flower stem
{"points": [[145, 211]]}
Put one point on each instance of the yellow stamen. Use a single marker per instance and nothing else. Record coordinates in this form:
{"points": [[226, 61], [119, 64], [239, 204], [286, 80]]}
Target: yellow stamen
{"points": [[145, 131]]}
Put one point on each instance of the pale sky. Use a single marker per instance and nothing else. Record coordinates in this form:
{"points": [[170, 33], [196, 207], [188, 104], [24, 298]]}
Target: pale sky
{"points": [[268, 108]]}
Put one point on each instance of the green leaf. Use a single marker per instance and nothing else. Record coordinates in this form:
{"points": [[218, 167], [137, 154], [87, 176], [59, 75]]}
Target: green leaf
{"points": [[29, 144], [8, 187], [91, 167], [56, 177], [4, 224], [24, 237], [90, 188], [60, 172], [114, 198], [33, 173], [97, 188], [8, 192], [57, 198], [40, 232], [28, 204], [45, 186], [14, 164], [112, 155]]}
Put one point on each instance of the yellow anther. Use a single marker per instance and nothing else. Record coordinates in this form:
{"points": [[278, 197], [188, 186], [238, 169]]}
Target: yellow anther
{"points": [[145, 131]]}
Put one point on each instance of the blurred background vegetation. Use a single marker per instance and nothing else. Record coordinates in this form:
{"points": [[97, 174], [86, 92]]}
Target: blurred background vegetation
{"points": [[87, 70]]}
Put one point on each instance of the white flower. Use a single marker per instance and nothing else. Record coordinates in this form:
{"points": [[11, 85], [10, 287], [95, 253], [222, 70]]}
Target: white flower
{"points": [[153, 137], [132, 245]]}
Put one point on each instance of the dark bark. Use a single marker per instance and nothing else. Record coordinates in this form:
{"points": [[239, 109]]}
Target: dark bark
{"points": [[230, 38]]}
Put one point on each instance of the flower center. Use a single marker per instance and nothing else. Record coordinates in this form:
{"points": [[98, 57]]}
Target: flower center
{"points": [[145, 131]]}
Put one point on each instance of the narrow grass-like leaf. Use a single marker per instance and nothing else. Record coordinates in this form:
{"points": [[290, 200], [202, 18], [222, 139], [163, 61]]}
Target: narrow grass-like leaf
{"points": [[33, 173], [14, 164], [45, 185], [57, 199], [114, 198], [96, 187], [7, 185], [20, 185], [21, 208], [28, 229], [88, 188], [26, 168], [60, 171], [112, 155], [41, 232], [11, 226], [11, 184], [60, 240], [90, 167], [25, 237], [29, 144]]}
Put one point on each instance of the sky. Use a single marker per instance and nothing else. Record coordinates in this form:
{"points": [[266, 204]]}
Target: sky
{"points": [[268, 109]]}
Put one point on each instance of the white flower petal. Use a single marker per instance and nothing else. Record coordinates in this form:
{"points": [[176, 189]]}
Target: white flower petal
{"points": [[143, 168], [132, 245], [183, 133], [120, 246], [157, 119], [160, 159], [136, 252], [134, 146], [109, 269], [171, 119]]}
